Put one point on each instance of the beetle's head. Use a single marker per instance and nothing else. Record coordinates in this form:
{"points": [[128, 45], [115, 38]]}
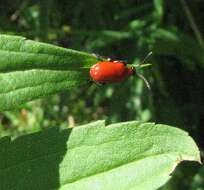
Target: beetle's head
{"points": [[131, 71]]}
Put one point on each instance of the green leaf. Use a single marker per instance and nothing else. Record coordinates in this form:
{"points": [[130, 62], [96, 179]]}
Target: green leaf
{"points": [[125, 156], [23, 86], [17, 53], [30, 70]]}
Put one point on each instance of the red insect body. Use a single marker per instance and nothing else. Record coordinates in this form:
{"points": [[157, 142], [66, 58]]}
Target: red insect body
{"points": [[110, 72]]}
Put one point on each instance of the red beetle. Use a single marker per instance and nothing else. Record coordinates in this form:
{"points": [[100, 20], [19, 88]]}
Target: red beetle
{"points": [[110, 72], [115, 71]]}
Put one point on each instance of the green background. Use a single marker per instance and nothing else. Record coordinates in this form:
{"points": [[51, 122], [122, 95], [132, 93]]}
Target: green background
{"points": [[125, 30]]}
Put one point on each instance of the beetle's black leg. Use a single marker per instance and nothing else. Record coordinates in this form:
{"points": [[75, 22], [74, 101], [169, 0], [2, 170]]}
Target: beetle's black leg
{"points": [[97, 83], [97, 56], [101, 58], [120, 61]]}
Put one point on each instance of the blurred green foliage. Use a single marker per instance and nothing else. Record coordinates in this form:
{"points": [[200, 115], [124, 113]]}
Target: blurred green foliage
{"points": [[125, 30]]}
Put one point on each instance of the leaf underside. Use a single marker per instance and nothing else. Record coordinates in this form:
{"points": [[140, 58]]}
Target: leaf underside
{"points": [[123, 156]]}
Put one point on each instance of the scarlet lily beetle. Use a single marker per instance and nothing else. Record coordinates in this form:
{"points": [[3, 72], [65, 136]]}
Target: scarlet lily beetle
{"points": [[109, 71]]}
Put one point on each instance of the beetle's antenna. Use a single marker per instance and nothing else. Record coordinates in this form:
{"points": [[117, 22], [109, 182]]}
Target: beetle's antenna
{"points": [[141, 65], [145, 59], [144, 79]]}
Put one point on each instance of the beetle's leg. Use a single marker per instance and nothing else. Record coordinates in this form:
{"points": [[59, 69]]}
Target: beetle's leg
{"points": [[97, 83], [97, 56], [121, 61], [101, 57]]}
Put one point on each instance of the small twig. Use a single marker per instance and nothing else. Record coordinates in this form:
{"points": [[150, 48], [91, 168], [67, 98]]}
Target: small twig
{"points": [[191, 20]]}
